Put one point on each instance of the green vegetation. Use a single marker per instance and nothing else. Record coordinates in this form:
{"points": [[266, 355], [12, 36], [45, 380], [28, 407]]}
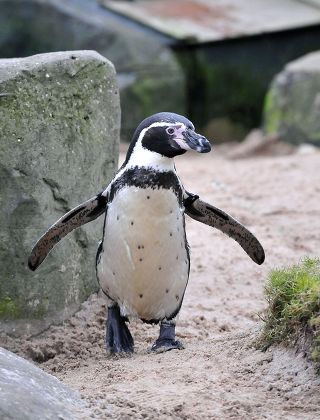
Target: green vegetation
{"points": [[293, 316], [272, 114], [8, 308]]}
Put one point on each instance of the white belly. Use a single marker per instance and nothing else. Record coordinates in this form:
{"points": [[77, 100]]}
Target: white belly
{"points": [[144, 265]]}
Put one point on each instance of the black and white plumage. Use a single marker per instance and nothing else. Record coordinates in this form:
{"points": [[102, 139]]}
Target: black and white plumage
{"points": [[143, 259]]}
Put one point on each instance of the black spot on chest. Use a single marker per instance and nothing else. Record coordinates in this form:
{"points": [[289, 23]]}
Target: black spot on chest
{"points": [[146, 178]]}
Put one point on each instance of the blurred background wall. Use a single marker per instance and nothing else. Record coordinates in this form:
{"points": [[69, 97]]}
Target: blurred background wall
{"points": [[210, 60]]}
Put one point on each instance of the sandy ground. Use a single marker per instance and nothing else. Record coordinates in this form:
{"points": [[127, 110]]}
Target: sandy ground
{"points": [[219, 375]]}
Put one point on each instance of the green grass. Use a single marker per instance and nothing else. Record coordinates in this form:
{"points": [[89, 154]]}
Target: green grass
{"points": [[293, 316]]}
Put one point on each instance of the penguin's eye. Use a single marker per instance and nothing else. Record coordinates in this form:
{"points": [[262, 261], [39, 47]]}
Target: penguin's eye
{"points": [[170, 130]]}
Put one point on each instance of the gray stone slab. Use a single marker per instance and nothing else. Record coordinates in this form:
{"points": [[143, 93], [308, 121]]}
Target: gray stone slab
{"points": [[28, 393], [59, 136]]}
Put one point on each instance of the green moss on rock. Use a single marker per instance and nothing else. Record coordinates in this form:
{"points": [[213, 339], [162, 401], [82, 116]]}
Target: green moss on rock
{"points": [[272, 114], [9, 309]]}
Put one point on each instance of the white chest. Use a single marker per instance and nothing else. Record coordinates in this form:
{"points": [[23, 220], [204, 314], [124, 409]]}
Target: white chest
{"points": [[144, 266]]}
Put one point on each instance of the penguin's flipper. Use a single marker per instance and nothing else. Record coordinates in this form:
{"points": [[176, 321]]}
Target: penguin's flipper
{"points": [[80, 215], [212, 216]]}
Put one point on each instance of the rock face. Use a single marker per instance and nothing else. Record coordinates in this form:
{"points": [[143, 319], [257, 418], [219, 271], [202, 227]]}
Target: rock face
{"points": [[292, 104], [59, 136], [31, 394], [149, 75]]}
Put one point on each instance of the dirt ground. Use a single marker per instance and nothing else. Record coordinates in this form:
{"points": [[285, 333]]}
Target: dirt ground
{"points": [[219, 375]]}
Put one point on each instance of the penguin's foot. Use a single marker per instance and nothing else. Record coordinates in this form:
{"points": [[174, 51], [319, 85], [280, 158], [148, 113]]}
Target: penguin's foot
{"points": [[166, 340], [118, 336], [161, 346]]}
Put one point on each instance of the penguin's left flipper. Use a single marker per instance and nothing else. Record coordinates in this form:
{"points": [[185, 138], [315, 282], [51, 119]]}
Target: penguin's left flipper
{"points": [[212, 216], [80, 215]]}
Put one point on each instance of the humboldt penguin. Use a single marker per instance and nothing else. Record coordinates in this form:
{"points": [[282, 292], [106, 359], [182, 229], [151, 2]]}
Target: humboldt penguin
{"points": [[143, 260]]}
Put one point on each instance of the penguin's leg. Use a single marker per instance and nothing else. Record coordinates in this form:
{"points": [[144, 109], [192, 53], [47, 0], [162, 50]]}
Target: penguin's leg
{"points": [[167, 337], [118, 336]]}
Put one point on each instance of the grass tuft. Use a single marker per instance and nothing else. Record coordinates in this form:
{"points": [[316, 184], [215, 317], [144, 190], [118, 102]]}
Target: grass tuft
{"points": [[293, 316]]}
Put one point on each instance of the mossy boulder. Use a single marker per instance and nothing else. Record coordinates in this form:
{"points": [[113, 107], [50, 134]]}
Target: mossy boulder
{"points": [[292, 103], [59, 136]]}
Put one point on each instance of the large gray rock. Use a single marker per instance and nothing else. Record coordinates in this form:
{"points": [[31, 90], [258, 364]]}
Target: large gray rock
{"points": [[29, 393], [59, 134], [149, 75], [292, 105]]}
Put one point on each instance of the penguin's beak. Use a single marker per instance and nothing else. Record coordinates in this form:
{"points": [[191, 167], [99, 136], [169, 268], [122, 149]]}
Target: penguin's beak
{"points": [[196, 142]]}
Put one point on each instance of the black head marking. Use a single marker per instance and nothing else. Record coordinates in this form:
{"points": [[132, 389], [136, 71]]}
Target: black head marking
{"points": [[157, 139], [157, 133]]}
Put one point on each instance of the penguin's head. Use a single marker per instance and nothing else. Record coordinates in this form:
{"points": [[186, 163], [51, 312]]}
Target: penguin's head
{"points": [[169, 135]]}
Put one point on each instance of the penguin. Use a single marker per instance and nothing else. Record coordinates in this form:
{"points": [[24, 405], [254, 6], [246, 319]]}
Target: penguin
{"points": [[143, 259]]}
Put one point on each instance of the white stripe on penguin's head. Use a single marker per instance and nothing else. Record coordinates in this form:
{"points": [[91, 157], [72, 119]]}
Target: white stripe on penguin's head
{"points": [[141, 154]]}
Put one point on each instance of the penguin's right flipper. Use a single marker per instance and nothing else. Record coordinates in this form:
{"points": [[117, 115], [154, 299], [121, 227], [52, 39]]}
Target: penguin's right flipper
{"points": [[212, 216], [80, 215]]}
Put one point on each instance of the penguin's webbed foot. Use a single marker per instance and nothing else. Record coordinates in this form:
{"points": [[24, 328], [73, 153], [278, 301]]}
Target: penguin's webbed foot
{"points": [[166, 340], [163, 345], [118, 336]]}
